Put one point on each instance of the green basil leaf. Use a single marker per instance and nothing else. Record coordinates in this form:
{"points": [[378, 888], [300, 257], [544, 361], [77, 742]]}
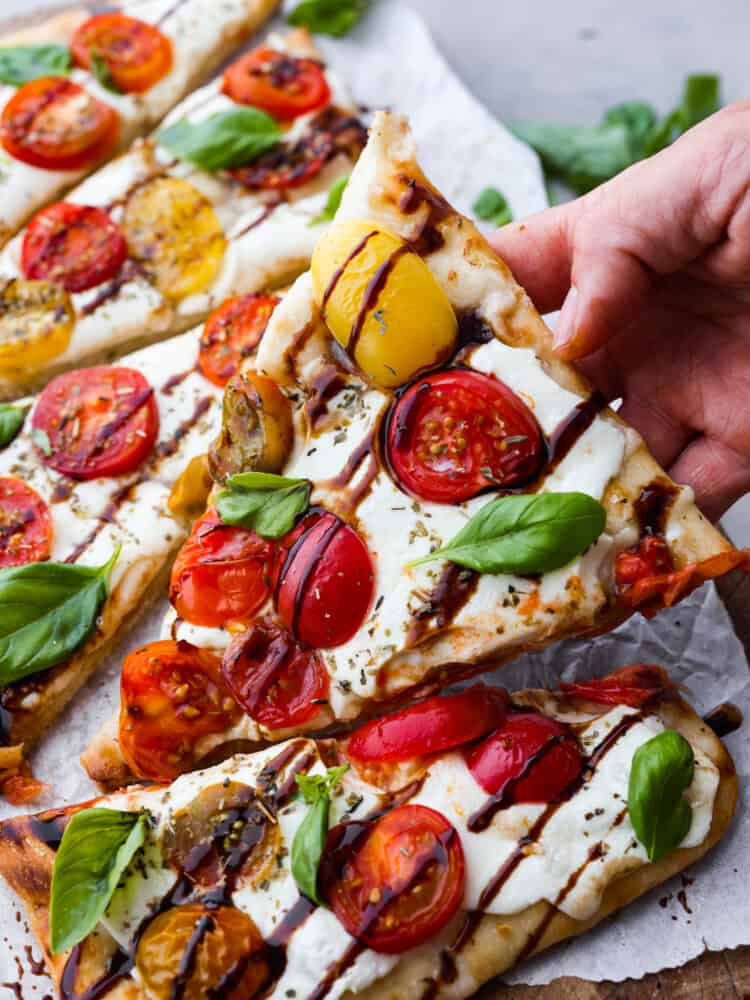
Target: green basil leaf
{"points": [[96, 848], [11, 422], [700, 98], [47, 610], [529, 533], [492, 206], [21, 63], [102, 74], [310, 838], [328, 17], [222, 140], [638, 119], [662, 769], [263, 503], [335, 194], [41, 440]]}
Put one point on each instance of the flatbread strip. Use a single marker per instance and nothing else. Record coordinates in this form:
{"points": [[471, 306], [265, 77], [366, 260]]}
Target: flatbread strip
{"points": [[29, 189], [497, 943]]}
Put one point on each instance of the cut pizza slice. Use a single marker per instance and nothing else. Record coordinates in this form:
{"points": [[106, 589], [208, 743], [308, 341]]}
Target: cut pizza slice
{"points": [[452, 495], [420, 857], [80, 87], [229, 197]]}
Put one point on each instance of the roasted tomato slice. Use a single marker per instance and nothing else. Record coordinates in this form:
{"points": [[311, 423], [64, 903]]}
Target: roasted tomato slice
{"points": [[280, 84], [458, 432], [632, 686], [650, 558], [25, 524], [36, 324], [221, 573], [431, 726], [77, 246], [395, 882], [529, 758], [171, 695], [136, 54], [326, 582], [210, 950], [55, 124], [278, 682], [232, 333], [97, 421]]}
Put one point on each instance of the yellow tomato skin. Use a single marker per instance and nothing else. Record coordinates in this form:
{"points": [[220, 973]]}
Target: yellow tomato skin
{"points": [[408, 327], [36, 324], [173, 232]]}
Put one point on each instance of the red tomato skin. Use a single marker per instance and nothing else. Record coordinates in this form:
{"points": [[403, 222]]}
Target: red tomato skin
{"points": [[513, 762], [431, 726], [221, 573], [25, 524], [232, 333], [632, 686], [25, 141], [89, 438], [326, 582], [489, 429], [282, 85], [137, 54], [279, 682], [77, 246]]}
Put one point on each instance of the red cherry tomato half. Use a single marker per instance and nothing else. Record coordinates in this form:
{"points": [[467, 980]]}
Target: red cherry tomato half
{"points": [[232, 333], [136, 54], [77, 246], [99, 421], [221, 573], [55, 124], [395, 882], [632, 686], [326, 582], [25, 524], [278, 682], [457, 432], [529, 758], [171, 695], [650, 558], [280, 84], [431, 726]]}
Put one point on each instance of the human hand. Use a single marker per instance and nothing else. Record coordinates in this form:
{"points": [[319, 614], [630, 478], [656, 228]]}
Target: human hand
{"points": [[652, 271]]}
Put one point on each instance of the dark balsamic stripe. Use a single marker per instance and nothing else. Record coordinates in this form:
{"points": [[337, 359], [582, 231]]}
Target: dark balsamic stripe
{"points": [[371, 295], [267, 211], [190, 956], [340, 270]]}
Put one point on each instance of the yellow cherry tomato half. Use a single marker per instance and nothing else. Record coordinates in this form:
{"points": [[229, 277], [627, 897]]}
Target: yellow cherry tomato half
{"points": [[36, 323], [381, 302], [172, 231]]}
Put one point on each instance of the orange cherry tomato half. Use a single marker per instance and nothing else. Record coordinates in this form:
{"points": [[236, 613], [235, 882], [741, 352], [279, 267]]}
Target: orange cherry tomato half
{"points": [[396, 881], [25, 524], [278, 682], [632, 686], [55, 124], [136, 54], [221, 573], [232, 333], [99, 421], [458, 432], [280, 84], [529, 758], [326, 582], [431, 726], [171, 695], [78, 246]]}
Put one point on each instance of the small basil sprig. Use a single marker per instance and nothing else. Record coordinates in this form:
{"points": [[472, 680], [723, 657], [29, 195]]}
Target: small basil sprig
{"points": [[662, 769], [310, 838], [11, 422], [335, 194], [96, 848], [530, 533], [492, 206], [222, 140], [328, 17], [102, 74], [47, 610], [263, 503], [21, 63]]}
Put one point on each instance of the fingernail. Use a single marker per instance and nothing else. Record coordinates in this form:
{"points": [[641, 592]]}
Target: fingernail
{"points": [[566, 322]]}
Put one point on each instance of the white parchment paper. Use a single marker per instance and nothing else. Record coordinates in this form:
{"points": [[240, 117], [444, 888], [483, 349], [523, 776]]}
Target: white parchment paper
{"points": [[390, 61]]}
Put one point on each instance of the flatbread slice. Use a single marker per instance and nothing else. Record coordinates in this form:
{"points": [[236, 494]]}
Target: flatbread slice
{"points": [[545, 857]]}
